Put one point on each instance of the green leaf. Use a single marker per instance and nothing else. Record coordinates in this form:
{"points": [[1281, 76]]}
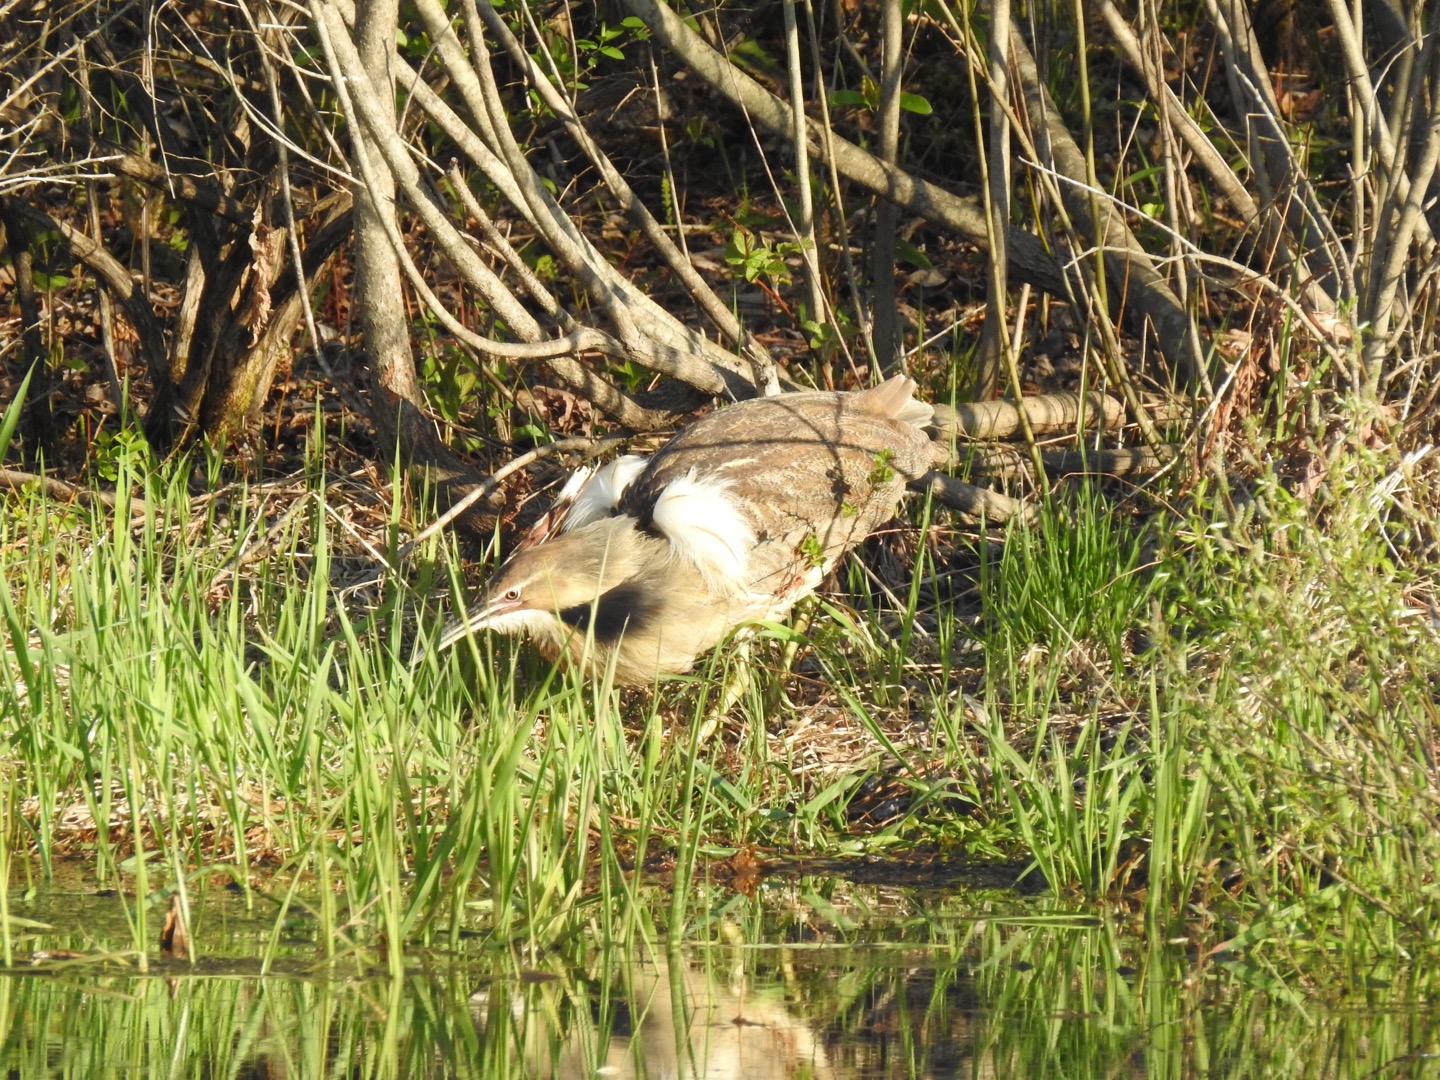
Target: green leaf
{"points": [[751, 53], [12, 412], [883, 472], [908, 252], [915, 103], [819, 335], [812, 549], [16, 922], [612, 52], [841, 98]]}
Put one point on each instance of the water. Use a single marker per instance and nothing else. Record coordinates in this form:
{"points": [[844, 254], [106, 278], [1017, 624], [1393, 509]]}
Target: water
{"points": [[809, 977]]}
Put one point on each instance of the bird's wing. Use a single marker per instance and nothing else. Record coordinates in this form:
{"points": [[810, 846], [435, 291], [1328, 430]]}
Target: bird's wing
{"points": [[708, 528], [587, 495], [599, 495], [813, 473]]}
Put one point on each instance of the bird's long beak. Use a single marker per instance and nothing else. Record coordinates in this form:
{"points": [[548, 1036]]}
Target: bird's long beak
{"points": [[475, 619]]}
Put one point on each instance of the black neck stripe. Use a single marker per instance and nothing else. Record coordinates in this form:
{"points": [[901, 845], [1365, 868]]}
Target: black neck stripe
{"points": [[626, 607]]}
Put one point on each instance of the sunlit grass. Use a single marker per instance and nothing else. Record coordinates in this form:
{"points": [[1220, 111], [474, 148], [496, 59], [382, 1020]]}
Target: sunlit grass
{"points": [[175, 703], [1232, 722]]}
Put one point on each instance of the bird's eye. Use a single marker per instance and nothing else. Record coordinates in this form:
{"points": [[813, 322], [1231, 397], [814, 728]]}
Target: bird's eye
{"points": [[512, 595]]}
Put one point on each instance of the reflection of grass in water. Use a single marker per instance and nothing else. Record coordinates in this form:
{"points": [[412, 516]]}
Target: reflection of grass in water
{"points": [[810, 977], [1235, 732], [1083, 1001]]}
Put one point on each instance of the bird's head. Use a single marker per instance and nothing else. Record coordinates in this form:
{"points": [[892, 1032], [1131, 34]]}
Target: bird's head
{"points": [[549, 590]]}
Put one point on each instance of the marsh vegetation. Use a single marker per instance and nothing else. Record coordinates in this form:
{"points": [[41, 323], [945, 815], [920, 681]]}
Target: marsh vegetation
{"points": [[1121, 736]]}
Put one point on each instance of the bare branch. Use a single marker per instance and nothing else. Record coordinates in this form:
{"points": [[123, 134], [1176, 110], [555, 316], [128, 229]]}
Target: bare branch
{"points": [[977, 503], [1272, 158], [1064, 412], [111, 272], [1270, 229], [1127, 263], [1031, 262], [713, 307]]}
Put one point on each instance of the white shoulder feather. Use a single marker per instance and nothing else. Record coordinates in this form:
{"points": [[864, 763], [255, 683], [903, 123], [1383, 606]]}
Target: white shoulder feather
{"points": [[597, 495], [706, 527]]}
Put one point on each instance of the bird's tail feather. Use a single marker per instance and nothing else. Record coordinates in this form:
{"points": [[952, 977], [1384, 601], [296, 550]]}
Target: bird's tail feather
{"points": [[895, 399]]}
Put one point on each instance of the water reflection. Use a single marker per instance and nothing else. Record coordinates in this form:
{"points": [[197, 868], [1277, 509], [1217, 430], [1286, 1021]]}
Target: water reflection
{"points": [[808, 979], [670, 1019]]}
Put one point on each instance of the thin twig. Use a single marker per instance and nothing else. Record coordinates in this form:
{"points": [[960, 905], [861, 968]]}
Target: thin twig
{"points": [[592, 448], [805, 226], [61, 491]]}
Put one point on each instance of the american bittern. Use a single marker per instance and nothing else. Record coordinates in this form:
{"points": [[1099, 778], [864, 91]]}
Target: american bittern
{"points": [[648, 563]]}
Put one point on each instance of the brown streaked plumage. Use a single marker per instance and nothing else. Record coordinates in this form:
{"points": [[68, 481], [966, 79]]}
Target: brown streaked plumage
{"points": [[646, 565]]}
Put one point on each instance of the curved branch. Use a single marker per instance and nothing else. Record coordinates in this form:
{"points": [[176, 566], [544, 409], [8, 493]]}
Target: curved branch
{"points": [[972, 501], [357, 97], [666, 345], [714, 308], [369, 114], [112, 274], [663, 344]]}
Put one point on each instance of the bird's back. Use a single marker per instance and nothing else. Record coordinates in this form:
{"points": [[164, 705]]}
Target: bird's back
{"points": [[812, 472]]}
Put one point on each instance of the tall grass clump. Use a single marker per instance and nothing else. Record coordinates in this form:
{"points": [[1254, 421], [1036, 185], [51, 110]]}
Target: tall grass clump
{"points": [[226, 683], [1259, 746], [1069, 580], [1061, 738], [1300, 661]]}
